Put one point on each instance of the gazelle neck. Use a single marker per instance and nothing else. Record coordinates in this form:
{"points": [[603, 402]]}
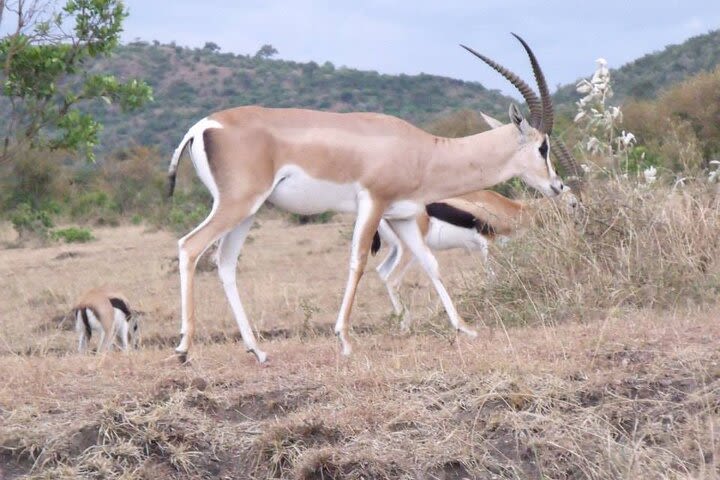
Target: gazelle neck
{"points": [[462, 165]]}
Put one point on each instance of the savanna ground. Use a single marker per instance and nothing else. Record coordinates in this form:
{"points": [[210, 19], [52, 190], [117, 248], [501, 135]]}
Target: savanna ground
{"points": [[625, 391]]}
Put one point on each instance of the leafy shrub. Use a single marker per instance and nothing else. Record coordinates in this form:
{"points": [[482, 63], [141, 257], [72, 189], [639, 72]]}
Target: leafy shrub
{"points": [[681, 126], [72, 235], [324, 217], [30, 222]]}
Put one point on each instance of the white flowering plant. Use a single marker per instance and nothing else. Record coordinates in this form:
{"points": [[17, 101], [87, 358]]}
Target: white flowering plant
{"points": [[600, 124]]}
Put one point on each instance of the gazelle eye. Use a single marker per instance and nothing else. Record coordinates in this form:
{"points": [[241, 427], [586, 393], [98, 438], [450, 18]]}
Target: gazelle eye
{"points": [[544, 149]]}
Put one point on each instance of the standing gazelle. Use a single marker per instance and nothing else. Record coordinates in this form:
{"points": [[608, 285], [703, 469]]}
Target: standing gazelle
{"points": [[376, 165], [106, 311]]}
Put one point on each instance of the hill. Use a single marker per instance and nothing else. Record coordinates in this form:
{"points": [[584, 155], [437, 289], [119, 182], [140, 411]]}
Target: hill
{"points": [[645, 77], [190, 83]]}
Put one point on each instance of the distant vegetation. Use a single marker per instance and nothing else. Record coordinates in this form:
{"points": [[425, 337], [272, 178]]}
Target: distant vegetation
{"points": [[645, 77], [190, 83]]}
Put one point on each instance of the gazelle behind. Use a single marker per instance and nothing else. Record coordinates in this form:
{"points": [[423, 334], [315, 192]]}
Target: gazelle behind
{"points": [[375, 165], [472, 222]]}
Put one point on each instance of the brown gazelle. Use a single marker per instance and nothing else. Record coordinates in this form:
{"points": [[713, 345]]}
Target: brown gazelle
{"points": [[471, 221], [106, 311], [376, 165]]}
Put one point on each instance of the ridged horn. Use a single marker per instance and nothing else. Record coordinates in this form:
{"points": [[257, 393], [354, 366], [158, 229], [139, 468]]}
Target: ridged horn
{"points": [[528, 94], [548, 115], [573, 173]]}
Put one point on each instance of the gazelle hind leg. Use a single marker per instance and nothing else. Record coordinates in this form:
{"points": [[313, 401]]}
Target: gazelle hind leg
{"points": [[81, 332], [396, 251], [190, 249], [228, 252], [409, 233], [368, 217], [393, 285]]}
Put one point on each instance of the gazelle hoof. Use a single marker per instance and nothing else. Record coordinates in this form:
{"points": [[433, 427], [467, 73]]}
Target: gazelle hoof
{"points": [[182, 357], [468, 331], [260, 355]]}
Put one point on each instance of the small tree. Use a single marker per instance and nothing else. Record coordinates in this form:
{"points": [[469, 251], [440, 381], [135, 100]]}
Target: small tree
{"points": [[211, 47], [45, 81], [266, 51]]}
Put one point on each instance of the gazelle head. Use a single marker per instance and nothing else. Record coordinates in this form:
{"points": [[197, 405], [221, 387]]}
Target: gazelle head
{"points": [[531, 162], [133, 326]]}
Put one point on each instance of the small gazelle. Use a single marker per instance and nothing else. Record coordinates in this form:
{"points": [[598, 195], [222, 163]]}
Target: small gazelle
{"points": [[375, 165], [105, 311]]}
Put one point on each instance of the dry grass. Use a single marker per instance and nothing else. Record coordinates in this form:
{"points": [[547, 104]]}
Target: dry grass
{"points": [[632, 247], [632, 392]]}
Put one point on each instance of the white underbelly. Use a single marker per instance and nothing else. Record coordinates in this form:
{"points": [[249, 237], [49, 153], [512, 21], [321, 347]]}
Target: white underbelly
{"points": [[445, 236], [298, 192]]}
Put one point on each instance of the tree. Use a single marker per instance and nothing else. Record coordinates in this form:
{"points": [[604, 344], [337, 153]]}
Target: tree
{"points": [[211, 47], [266, 51], [45, 79]]}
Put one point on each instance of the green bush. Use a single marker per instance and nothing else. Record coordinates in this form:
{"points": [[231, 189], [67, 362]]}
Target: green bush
{"points": [[30, 222], [324, 217], [72, 235]]}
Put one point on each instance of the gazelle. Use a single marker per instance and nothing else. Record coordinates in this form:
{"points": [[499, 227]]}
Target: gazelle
{"points": [[375, 165], [470, 221], [106, 311]]}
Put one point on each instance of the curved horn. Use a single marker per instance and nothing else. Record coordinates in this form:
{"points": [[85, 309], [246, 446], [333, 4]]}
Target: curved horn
{"points": [[530, 97], [573, 173], [546, 123]]}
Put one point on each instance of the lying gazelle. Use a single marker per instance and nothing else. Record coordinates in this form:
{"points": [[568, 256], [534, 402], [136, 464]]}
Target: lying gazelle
{"points": [[105, 311], [376, 165], [471, 221]]}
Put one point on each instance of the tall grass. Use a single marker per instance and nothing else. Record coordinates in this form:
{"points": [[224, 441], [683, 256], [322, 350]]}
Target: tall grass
{"points": [[635, 246]]}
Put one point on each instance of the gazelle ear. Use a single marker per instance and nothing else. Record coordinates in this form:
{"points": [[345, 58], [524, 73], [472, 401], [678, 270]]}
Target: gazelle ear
{"points": [[518, 120], [492, 122]]}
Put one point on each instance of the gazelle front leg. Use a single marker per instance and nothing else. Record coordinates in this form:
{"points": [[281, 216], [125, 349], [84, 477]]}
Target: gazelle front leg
{"points": [[408, 231], [368, 217]]}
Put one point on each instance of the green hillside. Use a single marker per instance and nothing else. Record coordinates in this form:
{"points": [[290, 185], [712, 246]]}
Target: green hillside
{"points": [[190, 83], [646, 76]]}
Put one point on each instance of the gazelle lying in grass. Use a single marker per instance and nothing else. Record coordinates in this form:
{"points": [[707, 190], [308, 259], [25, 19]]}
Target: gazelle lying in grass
{"points": [[470, 221], [375, 165], [107, 312]]}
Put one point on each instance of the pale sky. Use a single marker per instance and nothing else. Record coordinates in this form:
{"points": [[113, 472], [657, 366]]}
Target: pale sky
{"points": [[422, 35]]}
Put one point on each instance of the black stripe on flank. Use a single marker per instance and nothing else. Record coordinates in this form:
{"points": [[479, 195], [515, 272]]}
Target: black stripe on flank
{"points": [[86, 322], [376, 243], [449, 214], [120, 305]]}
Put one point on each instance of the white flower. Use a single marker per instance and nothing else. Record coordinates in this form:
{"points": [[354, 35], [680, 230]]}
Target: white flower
{"points": [[585, 168], [584, 87], [627, 138], [580, 115], [650, 174], [593, 144]]}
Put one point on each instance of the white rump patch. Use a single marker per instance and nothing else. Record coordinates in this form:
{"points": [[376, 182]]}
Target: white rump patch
{"points": [[444, 236]]}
